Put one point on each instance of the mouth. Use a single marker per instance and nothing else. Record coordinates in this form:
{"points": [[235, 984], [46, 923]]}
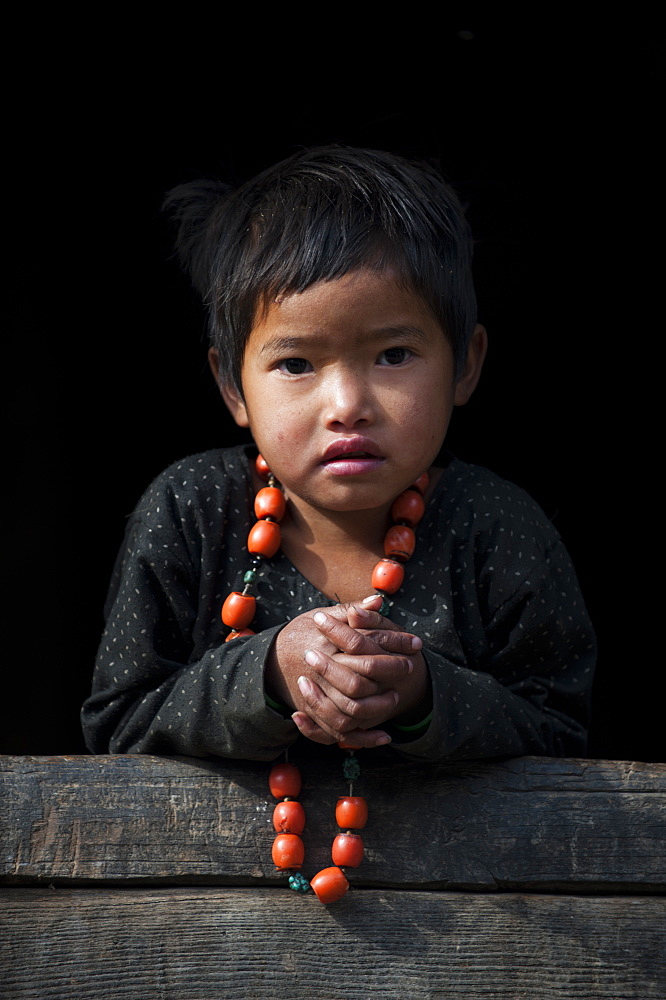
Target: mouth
{"points": [[352, 457], [350, 450]]}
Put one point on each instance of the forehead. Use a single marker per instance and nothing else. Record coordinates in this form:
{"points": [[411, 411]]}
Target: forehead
{"points": [[362, 303]]}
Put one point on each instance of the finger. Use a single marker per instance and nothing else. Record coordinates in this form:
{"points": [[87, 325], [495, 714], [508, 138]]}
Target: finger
{"points": [[360, 738], [366, 738], [364, 615], [342, 635], [395, 641], [359, 676], [310, 729], [367, 614], [341, 674], [369, 605], [386, 633], [371, 623], [321, 710], [337, 715]]}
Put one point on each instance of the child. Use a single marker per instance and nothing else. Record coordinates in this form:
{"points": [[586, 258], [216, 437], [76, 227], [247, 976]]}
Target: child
{"points": [[343, 330]]}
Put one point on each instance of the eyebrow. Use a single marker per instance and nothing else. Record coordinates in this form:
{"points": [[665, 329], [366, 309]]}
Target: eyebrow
{"points": [[278, 345]]}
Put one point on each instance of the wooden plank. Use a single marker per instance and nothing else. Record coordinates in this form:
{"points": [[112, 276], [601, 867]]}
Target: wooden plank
{"points": [[528, 823], [196, 944]]}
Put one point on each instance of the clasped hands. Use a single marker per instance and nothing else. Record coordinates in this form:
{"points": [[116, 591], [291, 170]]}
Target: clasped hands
{"points": [[346, 670]]}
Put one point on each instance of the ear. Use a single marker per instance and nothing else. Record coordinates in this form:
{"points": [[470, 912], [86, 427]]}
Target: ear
{"points": [[231, 396], [476, 354]]}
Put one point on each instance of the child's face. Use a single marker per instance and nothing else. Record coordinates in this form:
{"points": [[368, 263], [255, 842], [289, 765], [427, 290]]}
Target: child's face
{"points": [[349, 388]]}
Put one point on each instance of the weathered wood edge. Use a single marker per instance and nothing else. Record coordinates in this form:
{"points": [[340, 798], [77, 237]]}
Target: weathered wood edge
{"points": [[528, 823]]}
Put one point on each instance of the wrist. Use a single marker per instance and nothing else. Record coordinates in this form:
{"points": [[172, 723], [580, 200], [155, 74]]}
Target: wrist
{"points": [[414, 731], [276, 691], [415, 704], [276, 705], [413, 724], [418, 717]]}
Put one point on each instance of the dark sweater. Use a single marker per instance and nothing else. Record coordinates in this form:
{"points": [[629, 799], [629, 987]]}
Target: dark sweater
{"points": [[490, 590]]}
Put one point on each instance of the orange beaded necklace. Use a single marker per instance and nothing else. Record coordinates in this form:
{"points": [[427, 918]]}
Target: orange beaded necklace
{"points": [[285, 782], [264, 539]]}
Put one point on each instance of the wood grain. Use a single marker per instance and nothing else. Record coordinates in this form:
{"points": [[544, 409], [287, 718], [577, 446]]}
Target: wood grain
{"points": [[530, 823], [195, 944]]}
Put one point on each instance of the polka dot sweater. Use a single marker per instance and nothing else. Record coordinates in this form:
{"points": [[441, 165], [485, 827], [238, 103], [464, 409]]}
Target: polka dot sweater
{"points": [[490, 590]]}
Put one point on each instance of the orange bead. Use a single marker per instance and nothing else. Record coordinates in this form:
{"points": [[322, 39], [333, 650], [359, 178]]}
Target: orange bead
{"points": [[408, 507], [288, 851], [261, 466], [421, 483], [351, 812], [264, 539], [329, 884], [289, 817], [269, 502], [400, 542], [284, 780], [347, 850], [241, 631], [388, 576], [238, 610]]}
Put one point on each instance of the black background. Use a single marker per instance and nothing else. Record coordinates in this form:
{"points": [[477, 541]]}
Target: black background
{"points": [[548, 132]]}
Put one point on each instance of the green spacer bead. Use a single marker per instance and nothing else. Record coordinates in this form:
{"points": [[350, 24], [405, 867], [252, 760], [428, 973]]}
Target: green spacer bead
{"points": [[298, 883], [351, 768], [386, 604], [250, 576]]}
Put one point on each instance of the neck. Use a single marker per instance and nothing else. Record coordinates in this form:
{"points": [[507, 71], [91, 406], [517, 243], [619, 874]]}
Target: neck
{"points": [[331, 530], [335, 551], [362, 529]]}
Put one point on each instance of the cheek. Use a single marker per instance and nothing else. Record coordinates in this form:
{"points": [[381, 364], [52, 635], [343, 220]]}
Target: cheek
{"points": [[426, 414], [280, 429]]}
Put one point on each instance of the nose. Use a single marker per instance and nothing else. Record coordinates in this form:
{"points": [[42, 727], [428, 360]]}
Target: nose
{"points": [[349, 401]]}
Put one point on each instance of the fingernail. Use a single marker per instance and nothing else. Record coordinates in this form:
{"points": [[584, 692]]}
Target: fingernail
{"points": [[311, 657], [416, 642], [361, 612], [396, 697], [320, 618], [303, 685], [369, 600], [382, 740]]}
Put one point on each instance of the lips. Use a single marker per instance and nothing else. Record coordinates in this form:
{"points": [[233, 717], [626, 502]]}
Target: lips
{"points": [[351, 448], [355, 456]]}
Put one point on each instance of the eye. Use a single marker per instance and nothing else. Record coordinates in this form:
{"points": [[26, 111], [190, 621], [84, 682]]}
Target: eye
{"points": [[294, 366], [394, 356]]}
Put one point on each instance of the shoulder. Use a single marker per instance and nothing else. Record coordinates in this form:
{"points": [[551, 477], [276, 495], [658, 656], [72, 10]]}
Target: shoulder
{"points": [[204, 480], [217, 464], [474, 500]]}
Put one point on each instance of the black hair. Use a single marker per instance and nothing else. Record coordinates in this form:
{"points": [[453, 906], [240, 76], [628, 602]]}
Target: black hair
{"points": [[316, 216]]}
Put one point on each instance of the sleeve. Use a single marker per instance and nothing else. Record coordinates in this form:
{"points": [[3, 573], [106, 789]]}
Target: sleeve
{"points": [[152, 691], [524, 688]]}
